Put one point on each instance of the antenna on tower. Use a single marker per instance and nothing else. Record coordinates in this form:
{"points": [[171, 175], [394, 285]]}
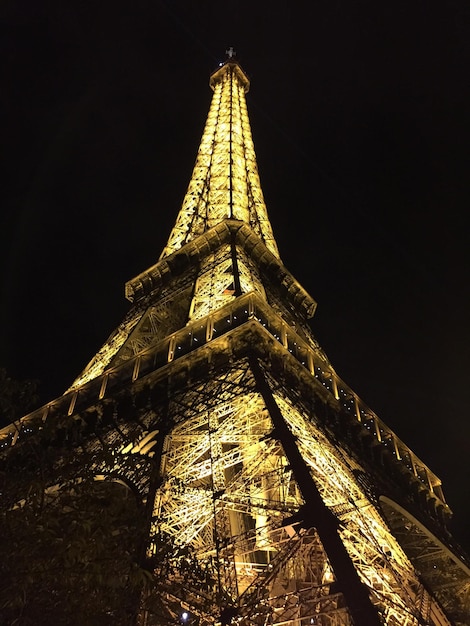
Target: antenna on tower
{"points": [[230, 52]]}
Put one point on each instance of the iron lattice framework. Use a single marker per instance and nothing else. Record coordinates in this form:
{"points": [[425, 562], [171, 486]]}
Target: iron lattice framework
{"points": [[287, 500]]}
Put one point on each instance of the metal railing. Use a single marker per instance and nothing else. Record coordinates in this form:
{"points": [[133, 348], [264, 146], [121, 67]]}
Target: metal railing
{"points": [[248, 307]]}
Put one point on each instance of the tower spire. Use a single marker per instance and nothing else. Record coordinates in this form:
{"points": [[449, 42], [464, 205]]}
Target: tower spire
{"points": [[225, 183]]}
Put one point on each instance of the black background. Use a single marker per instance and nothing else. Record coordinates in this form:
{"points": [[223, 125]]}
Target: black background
{"points": [[360, 118]]}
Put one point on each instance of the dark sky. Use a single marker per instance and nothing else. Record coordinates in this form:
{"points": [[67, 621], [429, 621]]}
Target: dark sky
{"points": [[360, 118]]}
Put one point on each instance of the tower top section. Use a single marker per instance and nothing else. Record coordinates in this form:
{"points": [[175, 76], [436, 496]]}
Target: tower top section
{"points": [[225, 181], [219, 72]]}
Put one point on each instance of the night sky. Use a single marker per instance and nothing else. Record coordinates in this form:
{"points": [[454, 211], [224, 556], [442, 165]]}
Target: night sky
{"points": [[360, 119]]}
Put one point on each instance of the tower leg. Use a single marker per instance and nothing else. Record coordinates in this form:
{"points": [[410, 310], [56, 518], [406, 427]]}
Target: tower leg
{"points": [[317, 515]]}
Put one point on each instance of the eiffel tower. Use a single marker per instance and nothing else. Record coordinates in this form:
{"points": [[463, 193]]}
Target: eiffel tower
{"points": [[297, 503]]}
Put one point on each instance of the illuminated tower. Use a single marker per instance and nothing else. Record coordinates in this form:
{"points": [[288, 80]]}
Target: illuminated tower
{"points": [[291, 501]]}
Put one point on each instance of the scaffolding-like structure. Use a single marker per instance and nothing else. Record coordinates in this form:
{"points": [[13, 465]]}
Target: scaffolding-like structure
{"points": [[286, 500]]}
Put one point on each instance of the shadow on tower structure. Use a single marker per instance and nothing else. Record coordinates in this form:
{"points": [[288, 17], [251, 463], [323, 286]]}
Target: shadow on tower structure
{"points": [[271, 493]]}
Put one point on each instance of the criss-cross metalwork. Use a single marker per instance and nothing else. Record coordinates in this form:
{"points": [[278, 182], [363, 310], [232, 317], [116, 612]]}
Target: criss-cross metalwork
{"points": [[274, 495]]}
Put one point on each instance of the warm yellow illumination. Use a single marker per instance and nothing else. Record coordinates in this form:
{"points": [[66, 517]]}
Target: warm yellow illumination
{"points": [[226, 488], [224, 476], [215, 283], [225, 181]]}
